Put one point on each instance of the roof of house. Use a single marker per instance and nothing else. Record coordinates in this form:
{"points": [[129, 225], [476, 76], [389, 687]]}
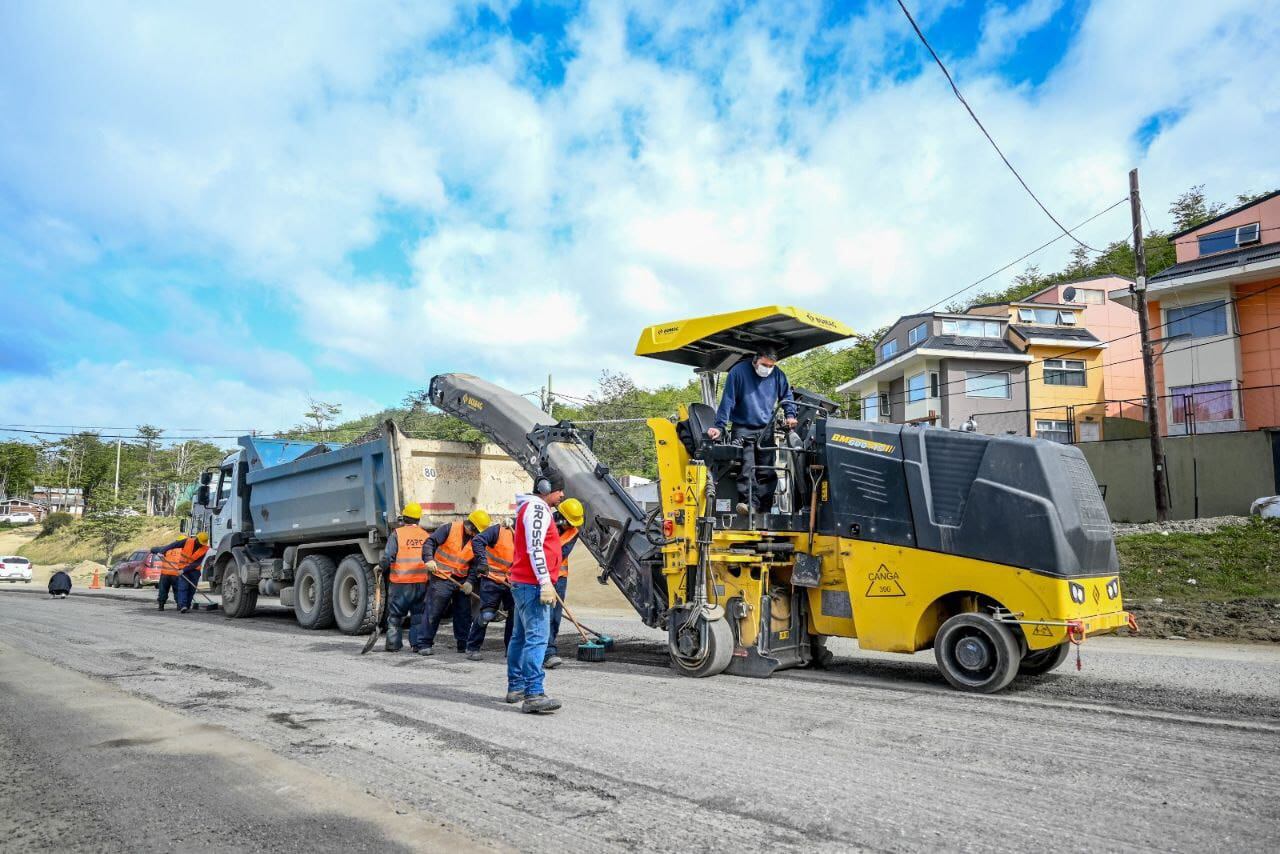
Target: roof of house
{"points": [[968, 344], [950, 345], [1055, 333], [1079, 281], [1225, 214], [1218, 261]]}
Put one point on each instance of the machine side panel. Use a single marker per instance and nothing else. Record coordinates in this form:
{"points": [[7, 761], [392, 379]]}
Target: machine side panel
{"points": [[868, 496]]}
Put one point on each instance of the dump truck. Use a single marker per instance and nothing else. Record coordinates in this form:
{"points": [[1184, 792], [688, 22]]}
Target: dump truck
{"points": [[994, 551], [307, 521]]}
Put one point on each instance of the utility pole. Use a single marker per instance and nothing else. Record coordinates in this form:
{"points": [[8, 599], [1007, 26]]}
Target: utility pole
{"points": [[1159, 473], [117, 468]]}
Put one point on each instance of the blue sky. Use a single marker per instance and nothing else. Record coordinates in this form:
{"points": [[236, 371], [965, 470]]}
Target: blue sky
{"points": [[210, 212]]}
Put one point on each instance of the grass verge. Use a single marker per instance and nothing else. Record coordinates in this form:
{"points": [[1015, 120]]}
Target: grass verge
{"points": [[1238, 561]]}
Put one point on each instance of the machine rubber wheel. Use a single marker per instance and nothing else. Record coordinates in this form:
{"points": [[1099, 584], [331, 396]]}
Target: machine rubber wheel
{"points": [[313, 592], [353, 596], [975, 653], [137, 581], [1043, 661], [237, 599], [715, 658]]}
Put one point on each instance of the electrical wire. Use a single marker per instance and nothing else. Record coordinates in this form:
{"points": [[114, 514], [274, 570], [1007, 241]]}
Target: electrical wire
{"points": [[955, 89]]}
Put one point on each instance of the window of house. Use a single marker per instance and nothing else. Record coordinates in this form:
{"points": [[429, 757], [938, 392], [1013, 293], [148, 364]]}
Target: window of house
{"points": [[972, 328], [984, 384], [1203, 402], [1054, 431], [888, 348], [871, 407], [915, 336], [1046, 316], [1228, 238], [1064, 372], [933, 384], [1067, 318], [1088, 296], [917, 386], [1199, 321]]}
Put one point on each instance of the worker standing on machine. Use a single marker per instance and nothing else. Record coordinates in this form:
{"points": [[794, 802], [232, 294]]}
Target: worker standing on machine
{"points": [[495, 550], [534, 573], [407, 579], [569, 518], [180, 569], [449, 556], [752, 391]]}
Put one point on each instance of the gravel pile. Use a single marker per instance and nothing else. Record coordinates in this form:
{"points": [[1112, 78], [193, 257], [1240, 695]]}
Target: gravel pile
{"points": [[1181, 526]]}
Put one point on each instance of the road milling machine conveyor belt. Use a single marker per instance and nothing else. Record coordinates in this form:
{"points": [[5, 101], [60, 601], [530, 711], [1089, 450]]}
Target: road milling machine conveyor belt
{"points": [[996, 551]]}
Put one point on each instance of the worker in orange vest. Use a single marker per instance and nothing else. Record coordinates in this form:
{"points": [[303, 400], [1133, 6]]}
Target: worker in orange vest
{"points": [[569, 517], [495, 549], [449, 557], [407, 576], [180, 569]]}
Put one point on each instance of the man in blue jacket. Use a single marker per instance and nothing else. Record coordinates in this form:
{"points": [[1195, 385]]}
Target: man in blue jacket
{"points": [[752, 391]]}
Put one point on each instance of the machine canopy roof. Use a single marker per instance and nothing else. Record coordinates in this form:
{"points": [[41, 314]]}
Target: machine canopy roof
{"points": [[718, 342]]}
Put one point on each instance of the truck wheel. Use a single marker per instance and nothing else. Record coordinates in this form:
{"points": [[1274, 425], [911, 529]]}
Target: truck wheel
{"points": [[313, 592], [1043, 661], [709, 661], [353, 596], [238, 600], [975, 653]]}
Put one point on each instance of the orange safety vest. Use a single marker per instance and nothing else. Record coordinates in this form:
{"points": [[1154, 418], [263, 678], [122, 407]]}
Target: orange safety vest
{"points": [[454, 555], [566, 536], [409, 567], [174, 561], [501, 556]]}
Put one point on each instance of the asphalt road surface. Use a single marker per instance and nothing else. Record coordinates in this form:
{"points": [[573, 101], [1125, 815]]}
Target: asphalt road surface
{"points": [[275, 738]]}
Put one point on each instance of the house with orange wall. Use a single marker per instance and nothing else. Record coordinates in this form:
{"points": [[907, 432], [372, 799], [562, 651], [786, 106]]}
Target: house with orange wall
{"points": [[1215, 321]]}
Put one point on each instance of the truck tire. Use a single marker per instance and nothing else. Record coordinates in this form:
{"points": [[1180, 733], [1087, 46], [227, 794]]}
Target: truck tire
{"points": [[353, 596], [976, 653], [714, 659], [238, 600], [313, 592]]}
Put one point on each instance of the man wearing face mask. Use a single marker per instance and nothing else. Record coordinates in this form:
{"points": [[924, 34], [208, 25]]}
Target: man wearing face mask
{"points": [[752, 390]]}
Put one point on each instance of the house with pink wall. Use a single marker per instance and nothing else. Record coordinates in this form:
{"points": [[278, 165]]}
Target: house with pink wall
{"points": [[1113, 323]]}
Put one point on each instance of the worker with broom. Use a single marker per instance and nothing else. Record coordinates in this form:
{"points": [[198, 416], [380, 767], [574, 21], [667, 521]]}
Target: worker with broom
{"points": [[407, 577], [534, 573], [449, 557], [495, 549], [569, 517], [180, 569]]}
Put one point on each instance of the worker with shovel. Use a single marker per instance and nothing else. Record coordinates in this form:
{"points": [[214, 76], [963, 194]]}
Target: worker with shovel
{"points": [[495, 549], [448, 556], [534, 573], [407, 579], [569, 517], [180, 569]]}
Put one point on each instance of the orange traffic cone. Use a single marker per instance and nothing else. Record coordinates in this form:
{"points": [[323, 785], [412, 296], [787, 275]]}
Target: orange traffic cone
{"points": [[95, 584]]}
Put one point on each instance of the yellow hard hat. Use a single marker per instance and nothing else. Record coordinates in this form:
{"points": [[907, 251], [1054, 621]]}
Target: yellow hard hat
{"points": [[480, 519], [412, 510], [203, 538], [571, 510]]}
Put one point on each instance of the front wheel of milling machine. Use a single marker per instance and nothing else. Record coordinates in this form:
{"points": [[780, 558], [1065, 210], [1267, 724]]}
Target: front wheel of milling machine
{"points": [[700, 645]]}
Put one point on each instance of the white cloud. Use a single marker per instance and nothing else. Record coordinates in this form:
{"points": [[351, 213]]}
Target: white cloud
{"points": [[1003, 28]]}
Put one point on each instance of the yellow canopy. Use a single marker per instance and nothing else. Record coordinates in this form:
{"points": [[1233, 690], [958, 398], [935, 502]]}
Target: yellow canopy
{"points": [[718, 342]]}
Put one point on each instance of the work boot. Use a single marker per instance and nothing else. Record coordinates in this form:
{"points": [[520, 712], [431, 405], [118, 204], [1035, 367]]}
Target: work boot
{"points": [[743, 509], [539, 703], [426, 650], [159, 606], [514, 696], [552, 662], [474, 655], [386, 647], [182, 610]]}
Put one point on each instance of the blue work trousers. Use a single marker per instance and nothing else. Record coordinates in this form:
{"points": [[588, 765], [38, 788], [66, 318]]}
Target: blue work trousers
{"points": [[528, 646], [494, 597], [557, 611], [405, 600], [167, 583], [184, 589], [444, 596]]}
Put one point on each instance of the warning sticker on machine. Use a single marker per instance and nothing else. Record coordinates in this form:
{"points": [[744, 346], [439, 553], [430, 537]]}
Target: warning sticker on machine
{"points": [[1043, 631], [884, 583]]}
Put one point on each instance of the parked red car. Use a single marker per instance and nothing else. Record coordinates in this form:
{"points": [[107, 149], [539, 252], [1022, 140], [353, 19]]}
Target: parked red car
{"points": [[139, 568]]}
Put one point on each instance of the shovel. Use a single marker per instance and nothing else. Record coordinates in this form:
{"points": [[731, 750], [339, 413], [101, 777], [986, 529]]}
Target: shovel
{"points": [[379, 608], [808, 567]]}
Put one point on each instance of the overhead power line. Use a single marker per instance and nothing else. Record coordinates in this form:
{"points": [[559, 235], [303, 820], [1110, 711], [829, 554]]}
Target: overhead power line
{"points": [[983, 128]]}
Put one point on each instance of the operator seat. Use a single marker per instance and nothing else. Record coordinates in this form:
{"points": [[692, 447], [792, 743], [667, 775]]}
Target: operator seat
{"points": [[701, 419]]}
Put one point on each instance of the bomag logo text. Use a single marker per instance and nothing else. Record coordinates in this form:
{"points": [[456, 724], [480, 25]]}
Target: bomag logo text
{"points": [[667, 331], [864, 444], [819, 320], [472, 402]]}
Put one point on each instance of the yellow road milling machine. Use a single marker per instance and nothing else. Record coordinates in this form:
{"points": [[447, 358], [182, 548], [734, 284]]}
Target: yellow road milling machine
{"points": [[996, 551]]}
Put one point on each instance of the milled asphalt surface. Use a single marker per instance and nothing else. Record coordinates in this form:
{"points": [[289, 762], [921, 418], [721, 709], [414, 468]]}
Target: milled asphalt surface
{"points": [[1154, 745]]}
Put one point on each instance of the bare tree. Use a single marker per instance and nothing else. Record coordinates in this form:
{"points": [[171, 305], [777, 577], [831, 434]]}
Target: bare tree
{"points": [[322, 415]]}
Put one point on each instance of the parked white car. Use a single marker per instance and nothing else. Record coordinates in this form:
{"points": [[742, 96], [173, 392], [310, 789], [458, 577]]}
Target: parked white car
{"points": [[14, 569], [18, 518]]}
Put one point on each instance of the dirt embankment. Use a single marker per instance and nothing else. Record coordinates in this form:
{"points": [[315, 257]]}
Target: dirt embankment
{"points": [[1239, 619]]}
